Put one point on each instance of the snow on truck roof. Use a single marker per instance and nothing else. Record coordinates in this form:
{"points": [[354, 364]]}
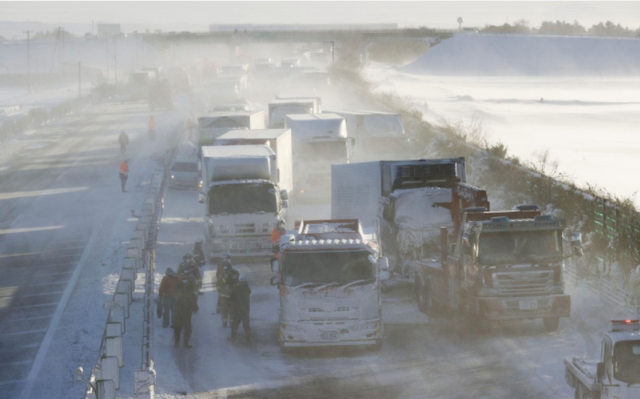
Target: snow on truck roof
{"points": [[235, 151], [265, 134], [359, 112], [314, 117]]}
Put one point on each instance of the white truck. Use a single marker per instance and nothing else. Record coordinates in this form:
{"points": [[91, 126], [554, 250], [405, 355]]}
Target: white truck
{"points": [[242, 199], [329, 274], [319, 140], [317, 100], [279, 109], [278, 140], [379, 134], [215, 124], [616, 374]]}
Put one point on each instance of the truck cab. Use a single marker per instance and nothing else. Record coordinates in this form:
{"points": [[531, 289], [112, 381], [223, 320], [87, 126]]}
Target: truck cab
{"points": [[329, 274], [616, 374]]}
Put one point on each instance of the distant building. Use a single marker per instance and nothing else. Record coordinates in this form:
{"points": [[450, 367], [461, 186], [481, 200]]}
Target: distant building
{"points": [[108, 29], [299, 27]]}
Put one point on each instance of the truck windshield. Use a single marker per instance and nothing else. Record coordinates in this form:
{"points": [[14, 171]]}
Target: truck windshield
{"points": [[242, 198], [509, 247], [184, 167], [627, 362], [318, 268], [324, 150]]}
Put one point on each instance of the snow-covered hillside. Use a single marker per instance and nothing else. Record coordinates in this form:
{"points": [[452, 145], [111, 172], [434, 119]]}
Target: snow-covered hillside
{"points": [[575, 97]]}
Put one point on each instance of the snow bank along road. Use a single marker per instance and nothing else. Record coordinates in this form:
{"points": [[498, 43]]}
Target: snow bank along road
{"points": [[59, 192]]}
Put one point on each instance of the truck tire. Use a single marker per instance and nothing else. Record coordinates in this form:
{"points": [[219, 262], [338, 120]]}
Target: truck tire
{"points": [[551, 323]]}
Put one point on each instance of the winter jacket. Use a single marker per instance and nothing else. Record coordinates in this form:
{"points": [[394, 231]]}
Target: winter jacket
{"points": [[239, 301], [168, 286]]}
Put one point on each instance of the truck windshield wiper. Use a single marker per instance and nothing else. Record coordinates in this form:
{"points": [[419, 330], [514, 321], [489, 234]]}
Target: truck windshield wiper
{"points": [[344, 287], [327, 285], [304, 285]]}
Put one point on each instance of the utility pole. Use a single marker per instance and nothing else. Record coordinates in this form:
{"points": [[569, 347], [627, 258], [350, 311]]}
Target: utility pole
{"points": [[28, 60]]}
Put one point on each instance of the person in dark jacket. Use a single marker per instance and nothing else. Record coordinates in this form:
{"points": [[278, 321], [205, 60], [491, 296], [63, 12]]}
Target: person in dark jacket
{"points": [[167, 296], [186, 304], [228, 280], [240, 305]]}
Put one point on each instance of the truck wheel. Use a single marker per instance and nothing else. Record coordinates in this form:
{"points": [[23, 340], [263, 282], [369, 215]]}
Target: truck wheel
{"points": [[551, 323]]}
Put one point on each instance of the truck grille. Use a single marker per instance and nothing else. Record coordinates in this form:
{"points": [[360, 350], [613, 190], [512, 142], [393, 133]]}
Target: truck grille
{"points": [[245, 228], [523, 283]]}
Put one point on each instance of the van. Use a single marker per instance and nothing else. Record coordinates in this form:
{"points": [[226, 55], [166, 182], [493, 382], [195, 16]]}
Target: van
{"points": [[184, 173]]}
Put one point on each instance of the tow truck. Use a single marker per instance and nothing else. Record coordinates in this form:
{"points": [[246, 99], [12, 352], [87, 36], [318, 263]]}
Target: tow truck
{"points": [[616, 374]]}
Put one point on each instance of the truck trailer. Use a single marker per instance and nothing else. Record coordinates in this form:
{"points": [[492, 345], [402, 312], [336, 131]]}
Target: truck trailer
{"points": [[279, 109], [377, 134], [215, 124], [242, 199], [329, 274], [278, 140], [319, 140]]}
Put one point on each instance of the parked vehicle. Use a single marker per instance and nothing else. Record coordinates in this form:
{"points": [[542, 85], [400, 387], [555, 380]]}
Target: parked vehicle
{"points": [[319, 140], [215, 124], [329, 274], [278, 140], [615, 374], [242, 198], [377, 133], [279, 109], [501, 265]]}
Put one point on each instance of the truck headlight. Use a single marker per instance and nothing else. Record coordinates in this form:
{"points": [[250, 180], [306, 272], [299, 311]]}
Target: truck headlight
{"points": [[173, 177]]}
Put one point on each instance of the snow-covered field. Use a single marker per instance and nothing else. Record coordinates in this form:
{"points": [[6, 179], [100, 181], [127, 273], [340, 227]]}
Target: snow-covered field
{"points": [[582, 107]]}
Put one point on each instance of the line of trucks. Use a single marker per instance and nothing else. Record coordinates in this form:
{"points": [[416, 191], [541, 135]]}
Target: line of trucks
{"points": [[416, 218]]}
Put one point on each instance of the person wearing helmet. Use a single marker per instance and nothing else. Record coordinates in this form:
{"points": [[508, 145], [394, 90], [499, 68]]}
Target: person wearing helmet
{"points": [[240, 304], [189, 266], [229, 278], [277, 232], [225, 262]]}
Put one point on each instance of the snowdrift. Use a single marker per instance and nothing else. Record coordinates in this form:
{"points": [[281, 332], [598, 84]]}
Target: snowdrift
{"points": [[500, 55]]}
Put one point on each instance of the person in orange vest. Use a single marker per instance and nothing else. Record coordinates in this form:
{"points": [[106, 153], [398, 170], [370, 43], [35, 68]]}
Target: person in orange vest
{"points": [[124, 174], [152, 127], [277, 232]]}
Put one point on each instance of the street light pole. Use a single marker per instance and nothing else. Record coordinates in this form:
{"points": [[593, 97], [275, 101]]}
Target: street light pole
{"points": [[28, 60]]}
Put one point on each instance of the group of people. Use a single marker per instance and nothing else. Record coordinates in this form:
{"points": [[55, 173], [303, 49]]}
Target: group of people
{"points": [[178, 298]]}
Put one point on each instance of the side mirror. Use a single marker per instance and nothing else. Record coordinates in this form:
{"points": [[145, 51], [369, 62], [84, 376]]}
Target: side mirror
{"points": [[274, 280], [284, 194], [285, 204], [600, 371], [275, 265], [576, 244]]}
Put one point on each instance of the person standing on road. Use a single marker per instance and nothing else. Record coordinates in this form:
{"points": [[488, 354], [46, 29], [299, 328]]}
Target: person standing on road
{"points": [[124, 174], [188, 265], [185, 306], [167, 296], [152, 127], [240, 305], [229, 280], [123, 140], [277, 232]]}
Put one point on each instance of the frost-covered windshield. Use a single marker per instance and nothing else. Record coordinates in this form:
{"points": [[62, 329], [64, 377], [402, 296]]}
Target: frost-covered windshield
{"points": [[627, 362], [324, 150], [496, 248], [184, 167], [242, 198], [319, 268]]}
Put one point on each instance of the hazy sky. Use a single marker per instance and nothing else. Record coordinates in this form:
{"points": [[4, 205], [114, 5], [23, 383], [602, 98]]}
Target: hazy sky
{"points": [[436, 14]]}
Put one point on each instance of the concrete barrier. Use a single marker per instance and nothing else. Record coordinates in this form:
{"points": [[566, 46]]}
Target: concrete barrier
{"points": [[116, 315], [113, 348], [125, 286], [123, 298], [110, 370]]}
